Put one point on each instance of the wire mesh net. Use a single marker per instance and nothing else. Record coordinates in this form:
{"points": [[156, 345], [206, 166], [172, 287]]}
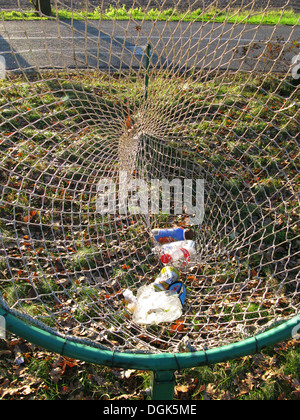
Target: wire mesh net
{"points": [[188, 92]]}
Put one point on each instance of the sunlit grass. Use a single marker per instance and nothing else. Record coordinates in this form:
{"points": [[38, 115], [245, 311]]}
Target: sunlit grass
{"points": [[270, 17]]}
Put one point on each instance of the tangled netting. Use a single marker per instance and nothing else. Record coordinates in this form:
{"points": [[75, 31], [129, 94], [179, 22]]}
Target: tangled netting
{"points": [[162, 94]]}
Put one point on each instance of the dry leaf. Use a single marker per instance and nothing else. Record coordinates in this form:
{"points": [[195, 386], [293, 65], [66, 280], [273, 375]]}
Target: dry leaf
{"points": [[211, 389], [182, 388], [55, 374], [127, 373]]}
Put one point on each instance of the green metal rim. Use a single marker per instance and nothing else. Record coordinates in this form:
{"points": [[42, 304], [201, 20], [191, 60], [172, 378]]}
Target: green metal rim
{"points": [[154, 362]]}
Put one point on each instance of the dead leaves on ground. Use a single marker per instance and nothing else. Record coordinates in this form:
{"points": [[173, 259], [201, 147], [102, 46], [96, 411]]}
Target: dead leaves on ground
{"points": [[21, 365], [59, 367], [254, 373], [28, 372]]}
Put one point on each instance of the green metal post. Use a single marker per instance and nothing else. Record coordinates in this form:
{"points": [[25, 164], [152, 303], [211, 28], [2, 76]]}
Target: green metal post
{"points": [[162, 385]]}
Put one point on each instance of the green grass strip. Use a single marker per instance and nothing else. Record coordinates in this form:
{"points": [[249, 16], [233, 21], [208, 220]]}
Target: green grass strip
{"points": [[270, 17]]}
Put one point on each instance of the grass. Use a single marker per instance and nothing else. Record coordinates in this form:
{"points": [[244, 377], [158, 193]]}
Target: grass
{"points": [[269, 17]]}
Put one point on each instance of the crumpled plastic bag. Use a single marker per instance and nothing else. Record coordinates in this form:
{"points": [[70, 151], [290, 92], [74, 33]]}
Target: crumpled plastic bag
{"points": [[154, 307]]}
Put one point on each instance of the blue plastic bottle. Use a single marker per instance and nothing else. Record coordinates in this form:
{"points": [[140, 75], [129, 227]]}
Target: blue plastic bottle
{"points": [[172, 234]]}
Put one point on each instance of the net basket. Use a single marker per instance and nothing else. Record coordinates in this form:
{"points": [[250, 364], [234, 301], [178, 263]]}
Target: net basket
{"points": [[183, 91]]}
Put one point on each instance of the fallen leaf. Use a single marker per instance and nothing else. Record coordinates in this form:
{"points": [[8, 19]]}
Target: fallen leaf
{"points": [[182, 388], [127, 373], [178, 326], [211, 389], [55, 374], [226, 396], [129, 123]]}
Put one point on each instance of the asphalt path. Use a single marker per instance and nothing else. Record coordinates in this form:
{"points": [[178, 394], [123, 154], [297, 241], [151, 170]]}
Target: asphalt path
{"points": [[120, 45]]}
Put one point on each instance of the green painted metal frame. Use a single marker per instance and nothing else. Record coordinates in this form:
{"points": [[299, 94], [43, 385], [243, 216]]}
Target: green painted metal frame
{"points": [[163, 365]]}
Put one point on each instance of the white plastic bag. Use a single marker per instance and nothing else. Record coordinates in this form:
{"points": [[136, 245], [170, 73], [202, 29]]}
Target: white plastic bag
{"points": [[153, 307], [130, 300]]}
